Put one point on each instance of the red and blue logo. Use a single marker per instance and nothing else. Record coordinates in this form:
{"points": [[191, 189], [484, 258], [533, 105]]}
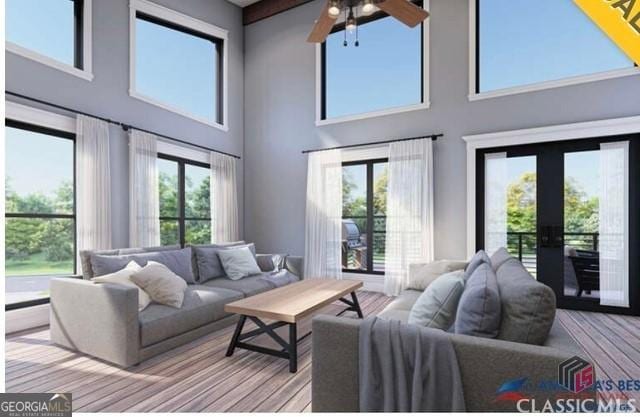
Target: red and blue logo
{"points": [[511, 391]]}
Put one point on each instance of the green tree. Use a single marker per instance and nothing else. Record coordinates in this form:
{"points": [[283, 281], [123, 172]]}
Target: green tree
{"points": [[380, 192]]}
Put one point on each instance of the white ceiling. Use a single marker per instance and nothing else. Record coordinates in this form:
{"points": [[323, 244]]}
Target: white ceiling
{"points": [[243, 3]]}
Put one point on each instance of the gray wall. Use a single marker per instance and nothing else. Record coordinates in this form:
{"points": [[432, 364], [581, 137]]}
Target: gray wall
{"points": [[107, 95], [279, 122]]}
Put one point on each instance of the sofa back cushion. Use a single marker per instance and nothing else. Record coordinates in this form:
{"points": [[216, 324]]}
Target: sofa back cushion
{"points": [[422, 275], [194, 254], [238, 262], [476, 260], [499, 257], [528, 306], [178, 261], [209, 266], [479, 307], [85, 256]]}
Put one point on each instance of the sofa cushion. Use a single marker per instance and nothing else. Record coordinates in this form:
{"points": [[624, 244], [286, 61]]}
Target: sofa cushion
{"points": [[528, 306], [178, 261], [85, 256], [194, 255], [436, 307], [247, 286], [399, 315], [201, 306], [209, 266], [479, 307], [499, 257], [238, 262], [421, 275], [404, 301], [280, 278], [271, 263], [478, 259]]}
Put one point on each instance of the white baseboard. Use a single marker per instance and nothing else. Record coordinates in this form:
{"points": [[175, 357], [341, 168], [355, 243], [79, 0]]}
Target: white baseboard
{"points": [[370, 282], [26, 318]]}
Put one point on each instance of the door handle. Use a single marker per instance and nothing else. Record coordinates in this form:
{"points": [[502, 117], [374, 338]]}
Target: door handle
{"points": [[551, 236]]}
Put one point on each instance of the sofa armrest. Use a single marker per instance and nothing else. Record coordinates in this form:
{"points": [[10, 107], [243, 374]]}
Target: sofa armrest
{"points": [[485, 364], [295, 265], [97, 319]]}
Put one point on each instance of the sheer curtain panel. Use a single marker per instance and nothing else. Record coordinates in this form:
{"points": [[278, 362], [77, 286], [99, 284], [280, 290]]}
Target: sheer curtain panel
{"points": [[409, 229], [224, 199], [93, 184], [495, 206], [614, 224], [323, 227], [144, 199]]}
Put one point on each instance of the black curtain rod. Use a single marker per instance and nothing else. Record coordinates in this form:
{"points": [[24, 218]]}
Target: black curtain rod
{"points": [[124, 126], [432, 136]]}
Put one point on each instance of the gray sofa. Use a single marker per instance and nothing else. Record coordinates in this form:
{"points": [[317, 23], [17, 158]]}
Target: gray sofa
{"points": [[102, 320], [485, 364]]}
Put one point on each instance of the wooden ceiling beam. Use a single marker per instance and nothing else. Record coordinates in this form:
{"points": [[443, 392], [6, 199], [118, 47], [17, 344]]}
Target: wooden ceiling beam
{"points": [[267, 8]]}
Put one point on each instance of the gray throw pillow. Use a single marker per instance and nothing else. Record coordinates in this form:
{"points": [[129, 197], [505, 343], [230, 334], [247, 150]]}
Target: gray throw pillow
{"points": [[178, 261], [162, 285], [271, 263], [209, 266], [478, 259], [499, 257], [436, 307], [238, 263], [528, 306], [479, 308]]}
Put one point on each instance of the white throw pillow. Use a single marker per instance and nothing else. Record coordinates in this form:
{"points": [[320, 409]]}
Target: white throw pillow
{"points": [[437, 305], [421, 275], [162, 285], [123, 277], [238, 263]]}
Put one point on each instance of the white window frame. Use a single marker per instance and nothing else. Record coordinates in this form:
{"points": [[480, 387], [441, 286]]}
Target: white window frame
{"points": [[527, 88], [582, 130], [172, 16], [86, 73], [384, 112]]}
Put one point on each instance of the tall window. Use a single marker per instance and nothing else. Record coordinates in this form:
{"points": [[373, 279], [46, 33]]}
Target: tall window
{"points": [[54, 32], [364, 213], [40, 210], [524, 42], [384, 72], [177, 63], [185, 215]]}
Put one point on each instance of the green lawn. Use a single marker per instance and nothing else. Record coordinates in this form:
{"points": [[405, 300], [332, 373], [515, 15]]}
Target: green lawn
{"points": [[36, 264]]}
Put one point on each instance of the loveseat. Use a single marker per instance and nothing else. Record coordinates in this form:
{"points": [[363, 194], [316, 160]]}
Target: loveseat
{"points": [[102, 320], [486, 364]]}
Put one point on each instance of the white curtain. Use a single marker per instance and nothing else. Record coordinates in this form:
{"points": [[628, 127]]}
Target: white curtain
{"points": [[614, 224], [495, 203], [93, 184], [144, 199], [224, 198], [323, 227], [409, 229]]}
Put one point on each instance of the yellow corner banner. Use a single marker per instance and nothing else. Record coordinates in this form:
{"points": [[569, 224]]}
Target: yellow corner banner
{"points": [[619, 19]]}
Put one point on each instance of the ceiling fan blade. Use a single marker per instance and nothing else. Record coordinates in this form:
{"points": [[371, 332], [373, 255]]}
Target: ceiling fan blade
{"points": [[403, 10], [323, 26]]}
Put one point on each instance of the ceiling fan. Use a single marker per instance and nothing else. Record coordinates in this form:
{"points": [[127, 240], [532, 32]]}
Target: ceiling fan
{"points": [[403, 10]]}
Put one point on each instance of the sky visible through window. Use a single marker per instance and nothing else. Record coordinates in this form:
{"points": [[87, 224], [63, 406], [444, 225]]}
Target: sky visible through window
{"points": [[382, 73], [177, 68], [44, 26], [525, 42]]}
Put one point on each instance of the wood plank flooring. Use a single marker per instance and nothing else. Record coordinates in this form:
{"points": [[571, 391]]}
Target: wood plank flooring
{"points": [[193, 377], [198, 377]]}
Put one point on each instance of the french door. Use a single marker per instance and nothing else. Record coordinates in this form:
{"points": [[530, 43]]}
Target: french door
{"points": [[570, 211]]}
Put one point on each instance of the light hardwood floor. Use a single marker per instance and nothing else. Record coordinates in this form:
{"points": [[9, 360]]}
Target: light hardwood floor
{"points": [[198, 377]]}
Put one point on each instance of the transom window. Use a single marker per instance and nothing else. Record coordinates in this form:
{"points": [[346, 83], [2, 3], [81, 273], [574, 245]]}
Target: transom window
{"points": [[384, 72], [40, 218], [364, 214], [185, 215], [177, 63], [524, 42], [54, 32]]}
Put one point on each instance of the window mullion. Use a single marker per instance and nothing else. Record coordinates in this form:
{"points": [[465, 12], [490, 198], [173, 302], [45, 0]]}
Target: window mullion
{"points": [[370, 216], [181, 199]]}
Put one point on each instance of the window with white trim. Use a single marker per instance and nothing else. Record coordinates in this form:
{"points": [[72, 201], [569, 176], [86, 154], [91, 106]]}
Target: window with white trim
{"points": [[522, 43], [178, 62], [55, 32]]}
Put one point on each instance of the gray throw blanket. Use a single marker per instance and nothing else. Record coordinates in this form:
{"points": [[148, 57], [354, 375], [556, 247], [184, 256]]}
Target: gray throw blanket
{"points": [[407, 368]]}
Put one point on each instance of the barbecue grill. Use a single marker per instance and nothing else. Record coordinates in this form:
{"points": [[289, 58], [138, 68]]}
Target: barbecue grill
{"points": [[352, 241]]}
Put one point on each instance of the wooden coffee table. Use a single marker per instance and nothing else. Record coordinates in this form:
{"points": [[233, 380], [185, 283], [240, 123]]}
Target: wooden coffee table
{"points": [[287, 305]]}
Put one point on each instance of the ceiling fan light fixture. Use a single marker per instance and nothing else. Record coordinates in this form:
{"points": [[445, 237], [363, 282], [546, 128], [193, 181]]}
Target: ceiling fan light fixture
{"points": [[334, 9]]}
